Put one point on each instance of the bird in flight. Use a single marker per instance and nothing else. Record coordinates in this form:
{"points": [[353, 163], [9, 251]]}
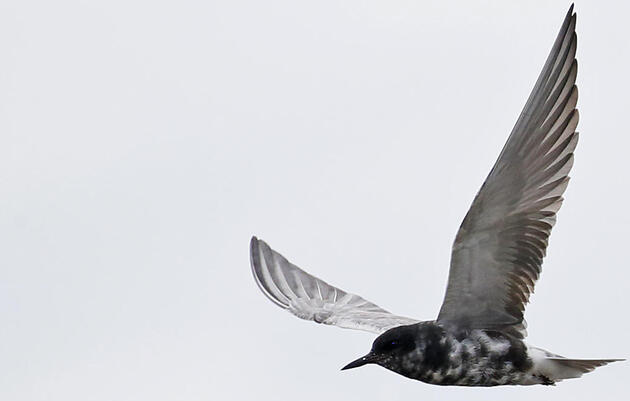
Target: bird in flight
{"points": [[477, 338]]}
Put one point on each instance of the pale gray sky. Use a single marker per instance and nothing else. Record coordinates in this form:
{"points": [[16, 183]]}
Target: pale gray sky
{"points": [[142, 143]]}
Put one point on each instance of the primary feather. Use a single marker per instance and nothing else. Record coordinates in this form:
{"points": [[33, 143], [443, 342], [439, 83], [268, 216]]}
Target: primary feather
{"points": [[499, 248], [310, 298]]}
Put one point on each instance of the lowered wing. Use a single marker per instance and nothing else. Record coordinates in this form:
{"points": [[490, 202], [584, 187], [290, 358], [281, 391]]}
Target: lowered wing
{"points": [[310, 298]]}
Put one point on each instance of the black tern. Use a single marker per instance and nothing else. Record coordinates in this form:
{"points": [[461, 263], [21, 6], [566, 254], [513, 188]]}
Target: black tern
{"points": [[477, 338]]}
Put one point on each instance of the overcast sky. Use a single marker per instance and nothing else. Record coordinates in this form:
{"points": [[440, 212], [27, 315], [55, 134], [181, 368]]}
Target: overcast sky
{"points": [[142, 144]]}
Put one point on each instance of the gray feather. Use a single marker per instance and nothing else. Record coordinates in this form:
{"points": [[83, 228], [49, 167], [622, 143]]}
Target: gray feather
{"points": [[498, 251], [310, 298]]}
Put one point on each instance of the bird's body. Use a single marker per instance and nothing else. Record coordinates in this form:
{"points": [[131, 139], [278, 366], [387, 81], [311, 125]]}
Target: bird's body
{"points": [[478, 336], [475, 358], [486, 358]]}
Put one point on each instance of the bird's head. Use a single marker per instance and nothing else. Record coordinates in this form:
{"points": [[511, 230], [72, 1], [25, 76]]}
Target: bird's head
{"points": [[389, 348]]}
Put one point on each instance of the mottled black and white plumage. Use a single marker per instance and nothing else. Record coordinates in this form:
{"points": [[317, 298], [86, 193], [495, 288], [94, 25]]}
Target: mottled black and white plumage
{"points": [[477, 338]]}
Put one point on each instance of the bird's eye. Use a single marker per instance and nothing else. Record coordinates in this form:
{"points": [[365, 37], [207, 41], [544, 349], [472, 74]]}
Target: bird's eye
{"points": [[388, 346]]}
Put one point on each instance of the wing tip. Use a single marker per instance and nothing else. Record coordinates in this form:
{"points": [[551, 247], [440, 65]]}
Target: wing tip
{"points": [[257, 271], [253, 253], [253, 242], [569, 23]]}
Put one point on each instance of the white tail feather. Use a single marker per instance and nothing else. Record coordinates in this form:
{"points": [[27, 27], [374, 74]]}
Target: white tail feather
{"points": [[551, 368], [564, 368]]}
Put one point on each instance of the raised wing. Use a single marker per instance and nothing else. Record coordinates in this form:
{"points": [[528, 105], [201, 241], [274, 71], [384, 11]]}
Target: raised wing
{"points": [[310, 298], [499, 248]]}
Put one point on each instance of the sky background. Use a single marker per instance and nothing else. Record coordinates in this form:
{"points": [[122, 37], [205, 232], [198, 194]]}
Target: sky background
{"points": [[142, 144]]}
